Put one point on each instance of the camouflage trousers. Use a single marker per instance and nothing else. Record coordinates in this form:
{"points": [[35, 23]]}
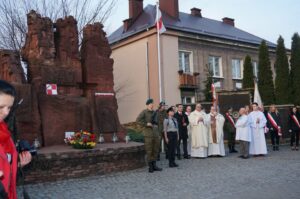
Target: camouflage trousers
{"points": [[152, 145]]}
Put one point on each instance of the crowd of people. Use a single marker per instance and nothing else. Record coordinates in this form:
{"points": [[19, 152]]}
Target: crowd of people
{"points": [[201, 135]]}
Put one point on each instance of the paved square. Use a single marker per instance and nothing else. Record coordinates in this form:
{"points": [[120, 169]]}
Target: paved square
{"points": [[275, 176]]}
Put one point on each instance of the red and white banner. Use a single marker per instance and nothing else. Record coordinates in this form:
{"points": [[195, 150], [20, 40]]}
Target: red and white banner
{"points": [[159, 22], [230, 119], [295, 120], [274, 124], [214, 95], [51, 89]]}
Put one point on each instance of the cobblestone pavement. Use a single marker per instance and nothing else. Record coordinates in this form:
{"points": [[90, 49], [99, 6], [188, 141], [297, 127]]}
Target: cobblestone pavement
{"points": [[275, 176]]}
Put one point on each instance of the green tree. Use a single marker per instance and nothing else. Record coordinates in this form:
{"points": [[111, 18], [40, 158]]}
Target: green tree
{"points": [[248, 76], [295, 70], [265, 75], [208, 82], [282, 73]]}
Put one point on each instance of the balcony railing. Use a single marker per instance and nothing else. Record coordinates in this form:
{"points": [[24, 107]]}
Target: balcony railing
{"points": [[187, 80]]}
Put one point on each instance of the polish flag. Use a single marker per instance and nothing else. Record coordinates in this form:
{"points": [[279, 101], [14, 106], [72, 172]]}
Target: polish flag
{"points": [[159, 22]]}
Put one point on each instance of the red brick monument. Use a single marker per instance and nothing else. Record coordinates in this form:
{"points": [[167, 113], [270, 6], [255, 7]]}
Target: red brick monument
{"points": [[84, 78]]}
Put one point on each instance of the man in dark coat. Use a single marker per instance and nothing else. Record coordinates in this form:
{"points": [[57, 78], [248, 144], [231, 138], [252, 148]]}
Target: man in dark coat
{"points": [[229, 128], [183, 122]]}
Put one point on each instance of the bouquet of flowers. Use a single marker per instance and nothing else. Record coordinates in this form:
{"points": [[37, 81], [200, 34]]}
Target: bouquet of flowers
{"points": [[82, 140]]}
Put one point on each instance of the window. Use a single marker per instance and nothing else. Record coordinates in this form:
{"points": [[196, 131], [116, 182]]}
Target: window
{"points": [[185, 61], [255, 68], [237, 69], [215, 66], [188, 100]]}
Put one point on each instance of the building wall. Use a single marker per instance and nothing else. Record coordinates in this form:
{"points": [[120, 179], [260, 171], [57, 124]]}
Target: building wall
{"points": [[170, 67], [130, 78], [130, 68], [203, 49]]}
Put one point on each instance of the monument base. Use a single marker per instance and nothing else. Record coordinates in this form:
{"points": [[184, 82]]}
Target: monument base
{"points": [[63, 162]]}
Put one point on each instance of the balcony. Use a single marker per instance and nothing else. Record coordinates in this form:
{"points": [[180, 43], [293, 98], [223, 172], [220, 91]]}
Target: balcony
{"points": [[187, 80]]}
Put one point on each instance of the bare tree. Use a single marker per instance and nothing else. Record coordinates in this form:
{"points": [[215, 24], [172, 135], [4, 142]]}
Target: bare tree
{"points": [[13, 25]]}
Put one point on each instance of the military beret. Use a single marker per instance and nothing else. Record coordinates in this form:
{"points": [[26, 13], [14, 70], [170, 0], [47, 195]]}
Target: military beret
{"points": [[149, 101], [162, 103]]}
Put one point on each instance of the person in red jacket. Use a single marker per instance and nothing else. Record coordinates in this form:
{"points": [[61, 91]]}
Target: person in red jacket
{"points": [[8, 152]]}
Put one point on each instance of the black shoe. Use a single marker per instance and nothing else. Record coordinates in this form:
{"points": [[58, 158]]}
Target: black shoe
{"points": [[187, 157], [274, 148], [172, 165], [156, 168], [179, 157], [277, 148], [151, 169], [245, 157], [233, 150]]}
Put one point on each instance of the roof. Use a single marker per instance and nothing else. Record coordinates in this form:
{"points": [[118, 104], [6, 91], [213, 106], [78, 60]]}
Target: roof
{"points": [[186, 23]]}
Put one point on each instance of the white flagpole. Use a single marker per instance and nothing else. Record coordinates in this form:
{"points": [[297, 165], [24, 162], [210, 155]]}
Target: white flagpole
{"points": [[158, 53], [159, 64]]}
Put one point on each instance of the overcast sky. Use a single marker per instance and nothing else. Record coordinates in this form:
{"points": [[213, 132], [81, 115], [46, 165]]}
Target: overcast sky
{"points": [[264, 18]]}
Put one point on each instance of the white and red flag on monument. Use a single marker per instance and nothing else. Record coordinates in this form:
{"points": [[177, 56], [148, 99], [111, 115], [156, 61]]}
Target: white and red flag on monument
{"points": [[51, 89], [159, 22]]}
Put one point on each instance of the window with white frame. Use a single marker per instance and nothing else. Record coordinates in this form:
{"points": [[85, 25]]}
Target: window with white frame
{"points": [[237, 68], [255, 68], [186, 61], [215, 66], [188, 100]]}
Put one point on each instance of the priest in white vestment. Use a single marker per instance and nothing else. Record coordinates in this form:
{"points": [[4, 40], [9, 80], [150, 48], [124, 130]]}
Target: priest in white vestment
{"points": [[257, 122], [199, 139], [243, 133], [215, 123]]}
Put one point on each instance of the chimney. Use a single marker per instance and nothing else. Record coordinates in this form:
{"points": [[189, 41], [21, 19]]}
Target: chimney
{"points": [[135, 9], [126, 24], [170, 7], [228, 21], [196, 12]]}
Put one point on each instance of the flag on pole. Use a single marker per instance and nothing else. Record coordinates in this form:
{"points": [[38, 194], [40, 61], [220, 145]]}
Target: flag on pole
{"points": [[159, 22], [257, 97], [214, 95]]}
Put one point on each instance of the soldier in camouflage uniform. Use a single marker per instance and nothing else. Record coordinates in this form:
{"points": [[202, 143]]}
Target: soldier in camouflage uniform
{"points": [[229, 127], [151, 135], [161, 115]]}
